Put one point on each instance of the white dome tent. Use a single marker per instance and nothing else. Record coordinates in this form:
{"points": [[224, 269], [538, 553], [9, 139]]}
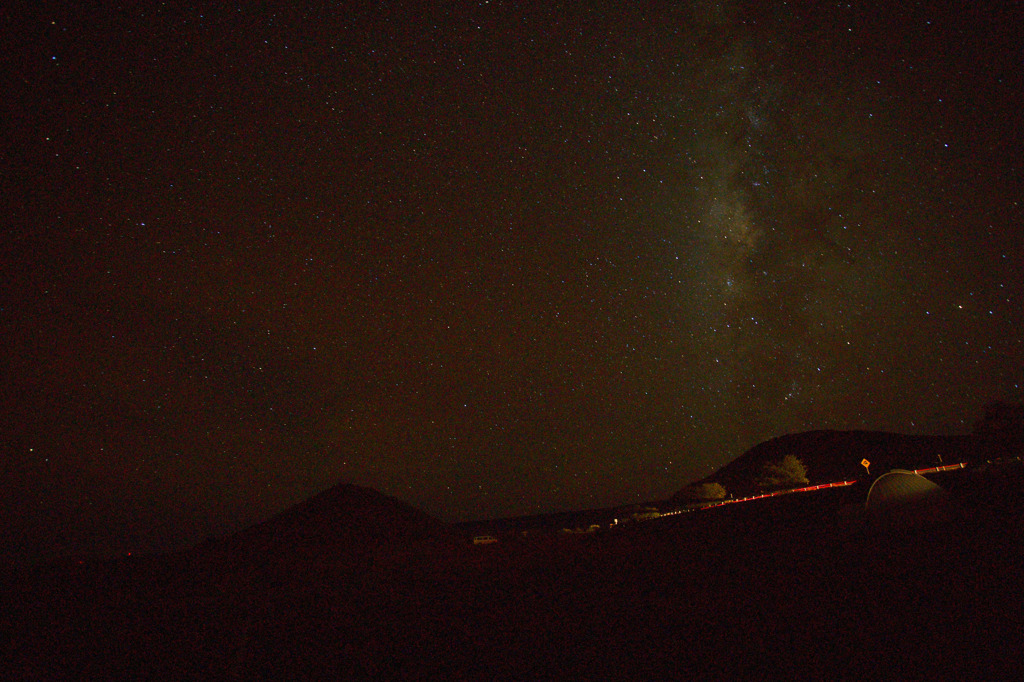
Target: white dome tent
{"points": [[905, 498]]}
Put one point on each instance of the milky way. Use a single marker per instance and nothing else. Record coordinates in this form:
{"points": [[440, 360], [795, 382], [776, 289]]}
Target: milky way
{"points": [[488, 260]]}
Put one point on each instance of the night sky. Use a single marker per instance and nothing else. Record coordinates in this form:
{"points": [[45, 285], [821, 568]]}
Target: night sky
{"points": [[490, 259]]}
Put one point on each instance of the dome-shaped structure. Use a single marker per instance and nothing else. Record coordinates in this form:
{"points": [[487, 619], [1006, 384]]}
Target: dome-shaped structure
{"points": [[905, 496]]}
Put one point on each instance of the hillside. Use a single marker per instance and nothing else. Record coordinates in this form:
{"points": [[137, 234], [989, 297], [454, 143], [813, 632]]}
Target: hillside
{"points": [[342, 531], [342, 515], [836, 456]]}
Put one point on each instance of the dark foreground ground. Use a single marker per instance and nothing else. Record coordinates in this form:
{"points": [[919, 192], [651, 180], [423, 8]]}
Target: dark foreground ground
{"points": [[801, 586]]}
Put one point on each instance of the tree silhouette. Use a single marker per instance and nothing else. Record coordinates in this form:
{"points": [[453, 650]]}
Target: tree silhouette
{"points": [[787, 473], [704, 491]]}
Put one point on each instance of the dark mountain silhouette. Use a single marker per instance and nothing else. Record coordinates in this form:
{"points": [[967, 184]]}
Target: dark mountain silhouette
{"points": [[836, 456], [345, 530], [345, 514]]}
